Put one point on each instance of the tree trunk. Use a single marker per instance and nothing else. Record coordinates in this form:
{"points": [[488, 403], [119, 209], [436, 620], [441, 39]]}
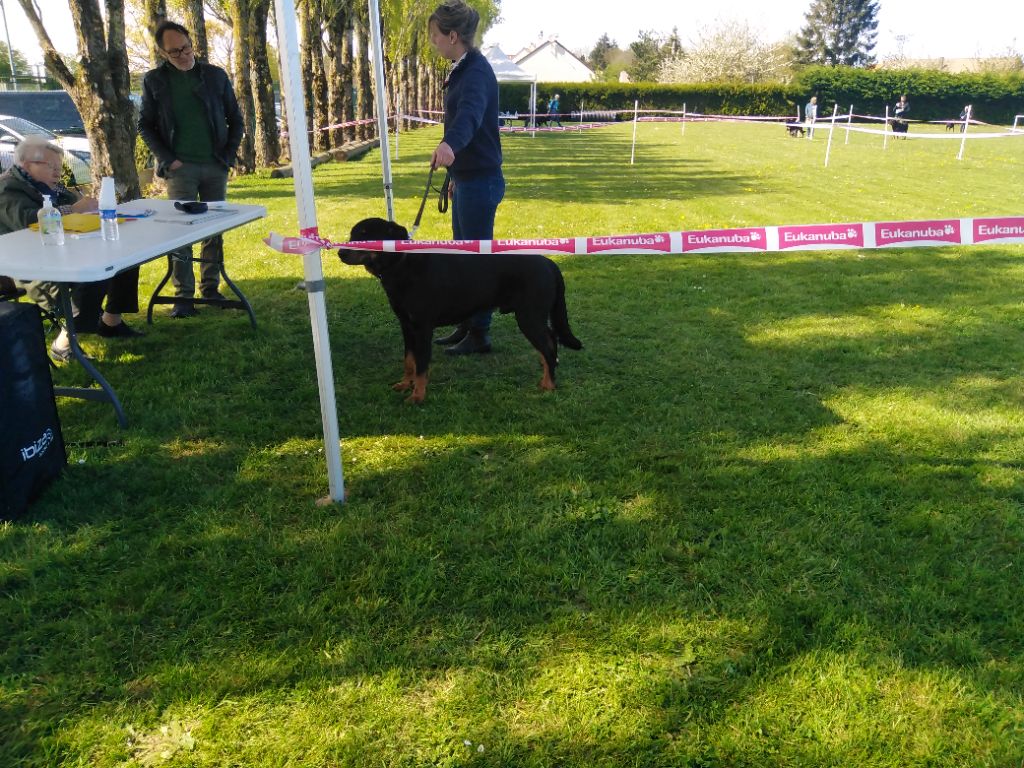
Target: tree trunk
{"points": [[99, 87], [364, 82], [346, 83], [195, 22], [314, 81], [267, 137], [339, 74], [240, 14], [154, 12]]}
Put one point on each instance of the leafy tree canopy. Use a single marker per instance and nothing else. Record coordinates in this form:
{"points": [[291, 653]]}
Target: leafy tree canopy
{"points": [[20, 63], [839, 32]]}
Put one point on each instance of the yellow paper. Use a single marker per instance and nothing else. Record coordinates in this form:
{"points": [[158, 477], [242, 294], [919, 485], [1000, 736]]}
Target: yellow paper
{"points": [[79, 222]]}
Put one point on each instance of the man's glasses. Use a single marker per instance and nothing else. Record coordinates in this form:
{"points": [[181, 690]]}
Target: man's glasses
{"points": [[179, 52]]}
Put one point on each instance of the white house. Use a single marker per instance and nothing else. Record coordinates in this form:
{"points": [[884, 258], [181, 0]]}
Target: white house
{"points": [[552, 62]]}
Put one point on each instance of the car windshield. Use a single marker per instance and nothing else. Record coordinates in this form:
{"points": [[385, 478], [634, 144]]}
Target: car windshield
{"points": [[24, 127]]}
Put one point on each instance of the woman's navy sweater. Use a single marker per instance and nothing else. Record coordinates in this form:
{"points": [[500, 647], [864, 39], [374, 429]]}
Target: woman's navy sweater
{"points": [[471, 118]]}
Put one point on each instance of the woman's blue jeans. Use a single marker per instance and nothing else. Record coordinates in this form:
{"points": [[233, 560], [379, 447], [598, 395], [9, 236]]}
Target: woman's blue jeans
{"points": [[474, 204]]}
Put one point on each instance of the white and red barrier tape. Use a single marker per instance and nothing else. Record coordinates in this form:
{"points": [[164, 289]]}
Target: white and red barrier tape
{"points": [[809, 237]]}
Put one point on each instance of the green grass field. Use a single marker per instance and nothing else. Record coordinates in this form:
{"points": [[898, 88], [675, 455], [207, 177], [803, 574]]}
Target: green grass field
{"points": [[772, 516]]}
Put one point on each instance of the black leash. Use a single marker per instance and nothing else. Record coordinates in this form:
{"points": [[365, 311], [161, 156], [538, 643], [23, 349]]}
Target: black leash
{"points": [[442, 200]]}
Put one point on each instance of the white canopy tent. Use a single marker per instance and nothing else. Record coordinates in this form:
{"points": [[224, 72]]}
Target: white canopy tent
{"points": [[507, 71]]}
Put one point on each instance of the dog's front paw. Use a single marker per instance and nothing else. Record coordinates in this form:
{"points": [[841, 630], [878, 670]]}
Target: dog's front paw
{"points": [[416, 398], [402, 386]]}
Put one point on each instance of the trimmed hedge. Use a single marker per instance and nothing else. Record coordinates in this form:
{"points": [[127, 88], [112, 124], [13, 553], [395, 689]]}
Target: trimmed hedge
{"points": [[712, 98], [933, 95]]}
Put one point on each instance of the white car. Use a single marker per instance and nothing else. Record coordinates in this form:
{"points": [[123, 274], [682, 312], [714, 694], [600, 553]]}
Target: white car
{"points": [[76, 149]]}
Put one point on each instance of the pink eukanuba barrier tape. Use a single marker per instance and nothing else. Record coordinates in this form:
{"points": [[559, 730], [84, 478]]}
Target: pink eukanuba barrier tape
{"points": [[804, 237]]}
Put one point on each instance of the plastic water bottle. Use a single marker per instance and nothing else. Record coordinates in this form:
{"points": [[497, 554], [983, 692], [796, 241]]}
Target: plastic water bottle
{"points": [[51, 224], [108, 209]]}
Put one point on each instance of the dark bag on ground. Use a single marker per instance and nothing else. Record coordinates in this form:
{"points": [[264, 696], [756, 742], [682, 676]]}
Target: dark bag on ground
{"points": [[32, 451]]}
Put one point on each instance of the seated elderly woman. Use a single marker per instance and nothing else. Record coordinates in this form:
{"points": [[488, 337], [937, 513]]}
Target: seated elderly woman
{"points": [[36, 172]]}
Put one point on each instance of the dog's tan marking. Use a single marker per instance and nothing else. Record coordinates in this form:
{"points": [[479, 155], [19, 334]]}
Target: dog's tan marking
{"points": [[419, 389], [407, 379], [546, 382]]}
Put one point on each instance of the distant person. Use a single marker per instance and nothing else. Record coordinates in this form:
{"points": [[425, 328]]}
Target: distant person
{"points": [[191, 122], [810, 116], [899, 113], [36, 172], [554, 116], [964, 119]]}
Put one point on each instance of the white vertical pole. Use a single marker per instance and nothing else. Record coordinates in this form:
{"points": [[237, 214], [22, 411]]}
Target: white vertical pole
{"points": [[382, 108], [581, 114], [682, 131], [831, 128], [636, 116], [849, 119], [963, 141], [313, 274], [10, 51], [885, 129]]}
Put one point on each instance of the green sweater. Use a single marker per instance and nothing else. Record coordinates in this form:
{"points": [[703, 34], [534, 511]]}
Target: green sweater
{"points": [[192, 140]]}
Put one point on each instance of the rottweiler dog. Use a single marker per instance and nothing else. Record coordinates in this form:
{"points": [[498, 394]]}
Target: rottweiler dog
{"points": [[794, 129], [427, 290]]}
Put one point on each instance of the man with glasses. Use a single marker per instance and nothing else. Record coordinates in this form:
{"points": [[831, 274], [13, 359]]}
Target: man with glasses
{"points": [[191, 122]]}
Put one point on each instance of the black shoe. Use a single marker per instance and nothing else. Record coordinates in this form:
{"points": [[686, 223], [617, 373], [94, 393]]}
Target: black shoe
{"points": [[460, 332], [477, 342], [120, 331], [215, 295], [184, 310]]}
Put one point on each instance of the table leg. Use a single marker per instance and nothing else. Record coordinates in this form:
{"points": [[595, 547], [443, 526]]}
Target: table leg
{"points": [[154, 299], [241, 303], [106, 392]]}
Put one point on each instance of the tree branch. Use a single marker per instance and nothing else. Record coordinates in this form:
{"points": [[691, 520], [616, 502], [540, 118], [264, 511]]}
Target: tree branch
{"points": [[51, 56]]}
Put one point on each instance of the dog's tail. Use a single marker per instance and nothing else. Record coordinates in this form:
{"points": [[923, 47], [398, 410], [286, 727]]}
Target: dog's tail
{"points": [[560, 315]]}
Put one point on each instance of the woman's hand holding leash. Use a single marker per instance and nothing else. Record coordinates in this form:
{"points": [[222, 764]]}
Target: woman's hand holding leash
{"points": [[443, 157]]}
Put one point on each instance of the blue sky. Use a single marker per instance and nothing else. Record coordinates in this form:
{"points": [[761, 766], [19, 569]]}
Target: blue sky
{"points": [[929, 28]]}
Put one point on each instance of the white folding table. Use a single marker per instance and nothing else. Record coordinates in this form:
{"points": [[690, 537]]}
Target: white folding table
{"points": [[88, 258]]}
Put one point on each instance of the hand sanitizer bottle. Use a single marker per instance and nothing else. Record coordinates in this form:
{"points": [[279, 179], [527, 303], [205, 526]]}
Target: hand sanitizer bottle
{"points": [[51, 224], [108, 209]]}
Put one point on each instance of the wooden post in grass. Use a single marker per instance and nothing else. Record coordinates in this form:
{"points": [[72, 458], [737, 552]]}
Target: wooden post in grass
{"points": [[313, 273], [831, 129], [636, 116], [849, 119], [963, 141]]}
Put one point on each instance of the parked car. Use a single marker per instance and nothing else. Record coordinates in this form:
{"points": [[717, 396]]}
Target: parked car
{"points": [[77, 154], [54, 110]]}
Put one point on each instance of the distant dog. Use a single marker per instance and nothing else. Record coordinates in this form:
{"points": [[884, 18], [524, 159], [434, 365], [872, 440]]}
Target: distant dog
{"points": [[794, 129], [427, 290], [951, 125]]}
